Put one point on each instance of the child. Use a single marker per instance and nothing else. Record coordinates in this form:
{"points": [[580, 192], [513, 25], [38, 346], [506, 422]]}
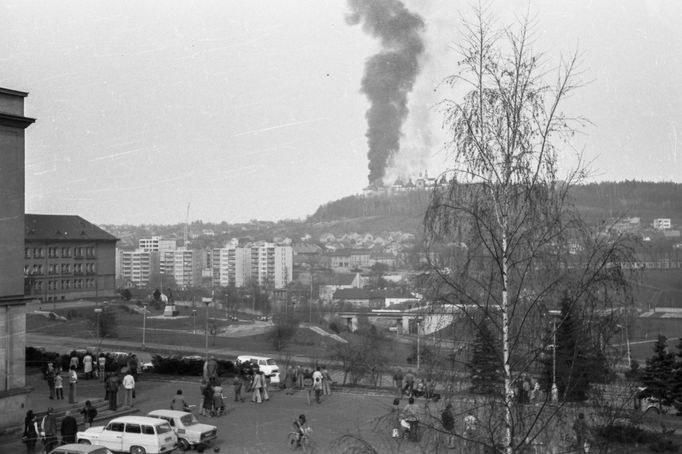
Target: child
{"points": [[59, 384], [89, 413], [299, 427], [237, 383]]}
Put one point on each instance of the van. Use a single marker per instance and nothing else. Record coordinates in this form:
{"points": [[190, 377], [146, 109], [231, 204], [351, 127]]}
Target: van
{"points": [[265, 364]]}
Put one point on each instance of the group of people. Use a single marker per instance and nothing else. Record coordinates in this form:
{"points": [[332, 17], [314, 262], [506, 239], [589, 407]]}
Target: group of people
{"points": [[55, 382], [317, 382], [45, 429], [411, 386]]}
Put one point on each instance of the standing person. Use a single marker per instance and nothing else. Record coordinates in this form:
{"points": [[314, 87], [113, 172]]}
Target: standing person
{"points": [[30, 435], [211, 368], [87, 366], [289, 380], [237, 384], [409, 383], [69, 428], [73, 379], [202, 393], [265, 381], [218, 398], [208, 398], [398, 382], [257, 387], [317, 384], [74, 361], [89, 413], [132, 364], [102, 366], [50, 375], [448, 421], [112, 385], [299, 377], [470, 433], [129, 386], [326, 381], [308, 384], [49, 429], [58, 385], [581, 432]]}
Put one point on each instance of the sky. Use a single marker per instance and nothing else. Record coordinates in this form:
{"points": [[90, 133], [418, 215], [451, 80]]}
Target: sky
{"points": [[245, 109]]}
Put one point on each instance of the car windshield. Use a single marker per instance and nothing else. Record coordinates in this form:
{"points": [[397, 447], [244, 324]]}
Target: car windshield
{"points": [[189, 419], [271, 362], [163, 428]]}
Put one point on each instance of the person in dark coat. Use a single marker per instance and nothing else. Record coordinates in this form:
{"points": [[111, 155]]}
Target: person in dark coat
{"points": [[49, 428], [448, 421], [30, 435], [69, 428]]}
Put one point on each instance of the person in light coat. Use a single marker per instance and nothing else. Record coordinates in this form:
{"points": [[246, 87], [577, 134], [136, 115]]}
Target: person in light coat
{"points": [[129, 386]]}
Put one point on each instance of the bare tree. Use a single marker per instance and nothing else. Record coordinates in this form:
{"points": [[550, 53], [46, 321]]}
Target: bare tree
{"points": [[523, 244]]}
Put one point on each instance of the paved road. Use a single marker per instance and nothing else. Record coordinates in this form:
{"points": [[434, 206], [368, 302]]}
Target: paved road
{"points": [[260, 428]]}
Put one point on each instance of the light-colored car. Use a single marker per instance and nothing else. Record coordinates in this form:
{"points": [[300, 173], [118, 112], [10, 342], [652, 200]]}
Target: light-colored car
{"points": [[191, 433], [265, 364], [73, 448], [133, 434]]}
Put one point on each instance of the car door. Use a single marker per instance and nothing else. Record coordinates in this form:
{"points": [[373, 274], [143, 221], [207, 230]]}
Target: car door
{"points": [[112, 436], [133, 437]]}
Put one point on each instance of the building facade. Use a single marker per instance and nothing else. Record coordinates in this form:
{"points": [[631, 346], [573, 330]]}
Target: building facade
{"points": [[13, 390], [262, 262], [137, 267], [67, 258]]}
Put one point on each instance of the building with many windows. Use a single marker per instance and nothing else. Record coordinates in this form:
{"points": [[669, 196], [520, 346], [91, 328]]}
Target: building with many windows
{"points": [[262, 262], [13, 390], [67, 258], [137, 267], [184, 265]]}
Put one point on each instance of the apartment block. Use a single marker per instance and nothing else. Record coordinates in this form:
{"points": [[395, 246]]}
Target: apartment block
{"points": [[265, 263], [138, 266]]}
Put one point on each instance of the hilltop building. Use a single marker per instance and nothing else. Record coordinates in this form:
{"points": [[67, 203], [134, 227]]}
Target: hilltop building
{"points": [[67, 258], [13, 390]]}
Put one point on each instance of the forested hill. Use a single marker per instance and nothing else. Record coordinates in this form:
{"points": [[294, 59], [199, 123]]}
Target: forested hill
{"points": [[596, 201]]}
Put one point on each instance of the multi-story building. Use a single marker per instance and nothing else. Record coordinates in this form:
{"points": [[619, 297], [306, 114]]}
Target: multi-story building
{"points": [[67, 258], [137, 267], [265, 263], [662, 224], [184, 265], [13, 390], [157, 244]]}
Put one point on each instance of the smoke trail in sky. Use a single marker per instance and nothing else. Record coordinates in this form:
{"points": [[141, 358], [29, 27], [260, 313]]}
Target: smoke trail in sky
{"points": [[389, 75]]}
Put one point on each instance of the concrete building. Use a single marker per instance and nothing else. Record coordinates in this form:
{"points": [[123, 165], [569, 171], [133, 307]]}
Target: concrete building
{"points": [[184, 265], [13, 388], [137, 267], [266, 263], [67, 258]]}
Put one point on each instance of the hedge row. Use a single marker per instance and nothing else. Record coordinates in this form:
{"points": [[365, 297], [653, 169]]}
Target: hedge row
{"points": [[38, 357], [188, 365]]}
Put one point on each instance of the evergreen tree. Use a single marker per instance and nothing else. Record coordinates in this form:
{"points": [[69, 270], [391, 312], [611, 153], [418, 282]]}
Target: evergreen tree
{"points": [[676, 391], [657, 376], [485, 368], [578, 362]]}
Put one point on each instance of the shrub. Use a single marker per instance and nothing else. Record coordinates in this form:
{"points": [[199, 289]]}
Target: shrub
{"points": [[664, 445], [176, 365], [625, 433]]}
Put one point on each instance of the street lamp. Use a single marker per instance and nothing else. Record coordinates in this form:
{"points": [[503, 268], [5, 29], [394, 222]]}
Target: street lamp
{"points": [[98, 311], [418, 319], [555, 390], [194, 324], [208, 302], [144, 323]]}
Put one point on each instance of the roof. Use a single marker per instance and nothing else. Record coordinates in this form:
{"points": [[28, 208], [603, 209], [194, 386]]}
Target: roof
{"points": [[57, 227], [307, 248], [171, 413], [139, 420], [354, 294]]}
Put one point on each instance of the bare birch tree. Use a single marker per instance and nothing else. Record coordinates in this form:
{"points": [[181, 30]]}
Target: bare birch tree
{"points": [[509, 212]]}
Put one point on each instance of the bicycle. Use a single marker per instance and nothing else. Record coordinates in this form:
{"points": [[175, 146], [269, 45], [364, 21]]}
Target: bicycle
{"points": [[305, 442]]}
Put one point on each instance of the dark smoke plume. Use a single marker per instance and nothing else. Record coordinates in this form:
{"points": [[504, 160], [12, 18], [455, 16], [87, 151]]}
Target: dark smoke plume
{"points": [[389, 75]]}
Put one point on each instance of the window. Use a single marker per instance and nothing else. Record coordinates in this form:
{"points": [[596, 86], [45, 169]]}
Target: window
{"points": [[52, 252], [27, 253], [163, 428], [66, 252], [52, 269], [133, 428], [66, 268], [115, 426], [148, 430]]}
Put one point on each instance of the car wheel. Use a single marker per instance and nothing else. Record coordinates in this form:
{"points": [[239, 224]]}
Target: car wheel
{"points": [[84, 442], [183, 445], [137, 450], [200, 448]]}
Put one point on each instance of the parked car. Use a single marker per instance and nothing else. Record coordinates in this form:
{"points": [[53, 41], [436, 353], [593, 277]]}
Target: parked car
{"points": [[649, 404], [74, 448], [133, 434], [191, 433], [267, 365]]}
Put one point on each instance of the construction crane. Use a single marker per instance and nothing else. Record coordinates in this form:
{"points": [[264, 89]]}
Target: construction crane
{"points": [[187, 226]]}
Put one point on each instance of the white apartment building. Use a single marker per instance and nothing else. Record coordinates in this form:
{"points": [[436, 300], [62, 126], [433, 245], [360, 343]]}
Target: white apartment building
{"points": [[156, 243], [662, 224], [266, 263], [137, 266], [185, 265]]}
